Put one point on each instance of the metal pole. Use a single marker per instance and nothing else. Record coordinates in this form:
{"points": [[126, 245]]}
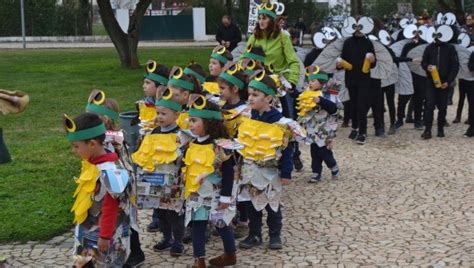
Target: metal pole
{"points": [[23, 23]]}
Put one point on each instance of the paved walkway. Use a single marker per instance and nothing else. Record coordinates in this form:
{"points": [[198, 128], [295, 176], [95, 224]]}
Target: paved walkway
{"points": [[400, 201]]}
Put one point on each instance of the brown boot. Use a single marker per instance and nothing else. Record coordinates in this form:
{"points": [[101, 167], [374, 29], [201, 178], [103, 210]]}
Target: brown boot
{"points": [[223, 260], [199, 262]]}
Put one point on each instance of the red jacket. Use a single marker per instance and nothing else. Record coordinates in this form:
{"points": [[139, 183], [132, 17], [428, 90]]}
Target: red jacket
{"points": [[110, 205]]}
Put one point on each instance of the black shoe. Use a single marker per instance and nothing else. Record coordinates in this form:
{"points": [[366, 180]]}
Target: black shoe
{"points": [[176, 250], [409, 120], [250, 242], [315, 178], [456, 120], [380, 133], [440, 133], [353, 134], [275, 242], [345, 124], [391, 130], [135, 260], [419, 125], [162, 245], [469, 133], [187, 238], [398, 124], [426, 135], [153, 227], [298, 164], [361, 139]]}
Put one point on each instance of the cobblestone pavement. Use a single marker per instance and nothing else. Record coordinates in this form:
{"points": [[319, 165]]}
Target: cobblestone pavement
{"points": [[400, 201]]}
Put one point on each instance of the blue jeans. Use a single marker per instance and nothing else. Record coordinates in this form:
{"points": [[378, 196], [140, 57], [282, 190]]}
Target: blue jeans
{"points": [[199, 238], [320, 154], [274, 221]]}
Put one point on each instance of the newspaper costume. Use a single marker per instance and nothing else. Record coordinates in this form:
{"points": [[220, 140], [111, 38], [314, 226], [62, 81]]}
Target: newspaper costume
{"points": [[95, 182]]}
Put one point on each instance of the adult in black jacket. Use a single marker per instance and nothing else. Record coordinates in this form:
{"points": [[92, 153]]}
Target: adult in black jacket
{"points": [[228, 34], [470, 99], [444, 57], [358, 83]]}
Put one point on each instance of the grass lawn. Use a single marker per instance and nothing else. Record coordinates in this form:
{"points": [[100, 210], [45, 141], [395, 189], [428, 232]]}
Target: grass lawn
{"points": [[36, 188]]}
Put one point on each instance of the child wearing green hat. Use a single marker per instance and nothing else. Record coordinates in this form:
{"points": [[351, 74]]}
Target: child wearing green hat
{"points": [[318, 109]]}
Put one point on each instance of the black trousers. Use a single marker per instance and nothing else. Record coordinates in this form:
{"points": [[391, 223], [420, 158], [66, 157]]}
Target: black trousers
{"points": [[419, 95], [470, 100], [359, 94], [347, 111], [274, 221], [320, 154], [135, 247], [243, 209], [171, 225], [464, 87], [435, 98], [389, 92], [4, 154], [376, 103], [402, 104]]}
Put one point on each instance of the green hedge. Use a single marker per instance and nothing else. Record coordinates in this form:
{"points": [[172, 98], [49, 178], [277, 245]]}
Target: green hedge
{"points": [[45, 18]]}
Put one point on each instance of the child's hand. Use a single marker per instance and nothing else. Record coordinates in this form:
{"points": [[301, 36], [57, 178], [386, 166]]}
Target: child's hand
{"points": [[316, 99], [370, 57], [223, 205], [330, 144], [103, 244], [444, 85], [285, 181], [430, 68]]}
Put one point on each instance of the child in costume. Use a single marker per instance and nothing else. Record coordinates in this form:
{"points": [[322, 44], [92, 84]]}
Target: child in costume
{"points": [[219, 58], [233, 88], [182, 86], [253, 59], [102, 206], [159, 184], [317, 111], [208, 171], [156, 76], [108, 111], [267, 163]]}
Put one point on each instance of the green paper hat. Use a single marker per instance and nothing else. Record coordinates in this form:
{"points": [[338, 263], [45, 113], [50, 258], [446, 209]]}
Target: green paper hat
{"points": [[204, 113], [169, 104], [84, 134]]}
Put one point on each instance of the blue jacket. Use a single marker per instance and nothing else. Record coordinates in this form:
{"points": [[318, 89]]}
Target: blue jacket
{"points": [[286, 161]]}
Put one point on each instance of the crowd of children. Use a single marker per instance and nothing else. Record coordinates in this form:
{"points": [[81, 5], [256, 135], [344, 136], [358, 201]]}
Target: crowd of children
{"points": [[214, 152]]}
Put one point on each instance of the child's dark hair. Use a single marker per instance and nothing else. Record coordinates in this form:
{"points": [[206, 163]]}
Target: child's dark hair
{"points": [[89, 120], [258, 50], [163, 71], [214, 128], [267, 80], [243, 93], [111, 124], [192, 79], [197, 68], [226, 55]]}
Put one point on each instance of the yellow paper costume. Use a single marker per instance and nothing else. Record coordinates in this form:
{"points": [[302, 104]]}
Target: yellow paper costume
{"points": [[199, 161]]}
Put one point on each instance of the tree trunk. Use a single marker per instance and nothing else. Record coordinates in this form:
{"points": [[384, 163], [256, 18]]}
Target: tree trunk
{"points": [[356, 7], [133, 31], [126, 44]]}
